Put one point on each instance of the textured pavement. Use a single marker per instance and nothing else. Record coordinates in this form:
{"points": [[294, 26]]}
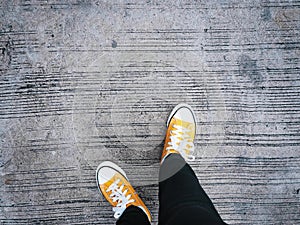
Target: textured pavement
{"points": [[87, 81]]}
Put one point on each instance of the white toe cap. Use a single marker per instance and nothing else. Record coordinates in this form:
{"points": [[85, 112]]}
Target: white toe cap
{"points": [[106, 170], [185, 114], [105, 174]]}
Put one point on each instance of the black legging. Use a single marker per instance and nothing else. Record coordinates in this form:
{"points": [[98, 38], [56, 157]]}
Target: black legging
{"points": [[182, 201]]}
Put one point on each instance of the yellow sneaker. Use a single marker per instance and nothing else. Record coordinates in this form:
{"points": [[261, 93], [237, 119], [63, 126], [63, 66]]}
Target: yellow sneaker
{"points": [[180, 133], [115, 187]]}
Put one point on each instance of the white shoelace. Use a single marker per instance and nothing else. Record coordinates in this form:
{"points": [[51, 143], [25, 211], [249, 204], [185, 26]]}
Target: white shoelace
{"points": [[119, 196], [181, 142]]}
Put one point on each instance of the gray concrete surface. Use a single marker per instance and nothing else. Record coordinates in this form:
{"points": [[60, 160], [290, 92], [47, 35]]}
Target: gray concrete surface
{"points": [[87, 81]]}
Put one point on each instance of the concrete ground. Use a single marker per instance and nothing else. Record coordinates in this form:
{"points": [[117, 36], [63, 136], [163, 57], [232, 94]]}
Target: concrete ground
{"points": [[87, 81]]}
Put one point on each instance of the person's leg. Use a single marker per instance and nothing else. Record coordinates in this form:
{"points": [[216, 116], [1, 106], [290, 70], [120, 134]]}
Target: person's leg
{"points": [[133, 216], [182, 200], [114, 185]]}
